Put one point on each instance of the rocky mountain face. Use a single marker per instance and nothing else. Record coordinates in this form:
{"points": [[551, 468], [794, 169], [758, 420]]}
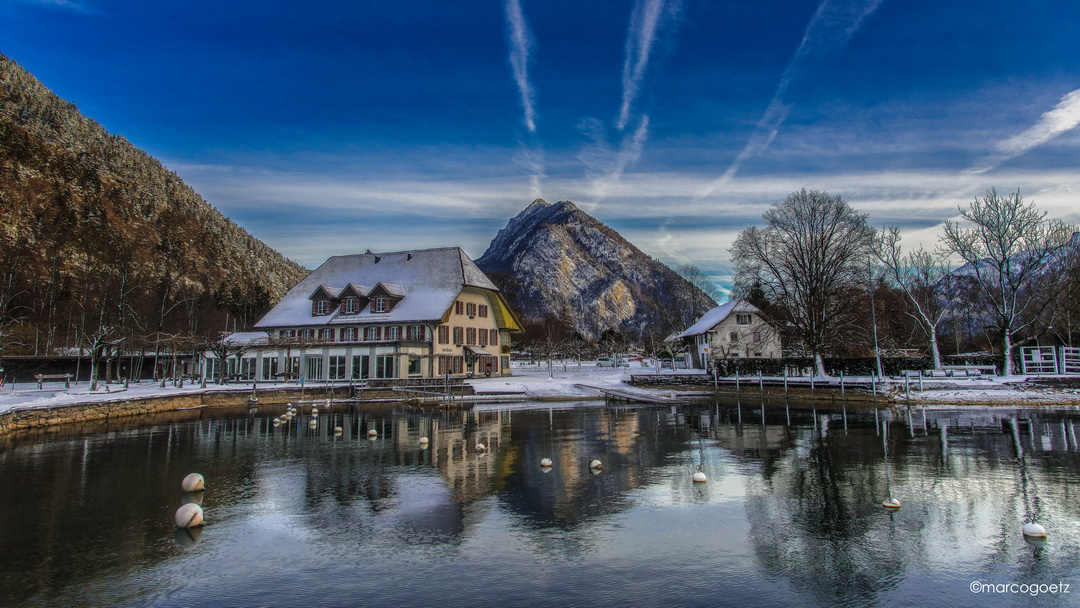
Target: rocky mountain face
{"points": [[556, 261], [95, 233]]}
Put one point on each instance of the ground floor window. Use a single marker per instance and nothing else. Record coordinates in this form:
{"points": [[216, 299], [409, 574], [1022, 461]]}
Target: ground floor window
{"points": [[360, 369], [449, 364], [292, 366], [414, 366], [336, 371], [315, 368], [247, 368], [386, 366], [269, 368], [212, 368]]}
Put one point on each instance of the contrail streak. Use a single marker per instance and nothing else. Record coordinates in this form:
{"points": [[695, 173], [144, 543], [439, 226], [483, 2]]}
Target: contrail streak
{"points": [[519, 61], [832, 26], [644, 23], [1064, 117]]}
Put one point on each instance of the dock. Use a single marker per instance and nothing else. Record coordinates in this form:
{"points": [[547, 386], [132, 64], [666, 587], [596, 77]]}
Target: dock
{"points": [[614, 394]]}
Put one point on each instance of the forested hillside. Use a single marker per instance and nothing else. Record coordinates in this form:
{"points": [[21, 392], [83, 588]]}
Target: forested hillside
{"points": [[99, 239]]}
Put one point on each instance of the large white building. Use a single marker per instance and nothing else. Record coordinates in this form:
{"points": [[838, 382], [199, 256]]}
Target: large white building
{"points": [[407, 314]]}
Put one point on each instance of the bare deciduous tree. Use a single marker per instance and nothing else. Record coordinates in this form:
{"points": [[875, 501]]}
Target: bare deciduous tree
{"points": [[812, 249], [1007, 249], [919, 275]]}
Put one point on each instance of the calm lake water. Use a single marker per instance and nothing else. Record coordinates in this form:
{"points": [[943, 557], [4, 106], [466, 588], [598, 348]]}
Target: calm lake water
{"points": [[791, 514]]}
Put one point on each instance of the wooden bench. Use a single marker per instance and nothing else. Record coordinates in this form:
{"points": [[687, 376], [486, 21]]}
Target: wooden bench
{"points": [[50, 377]]}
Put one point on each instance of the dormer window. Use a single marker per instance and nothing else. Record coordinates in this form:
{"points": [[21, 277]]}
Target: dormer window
{"points": [[352, 306], [321, 307], [379, 305]]}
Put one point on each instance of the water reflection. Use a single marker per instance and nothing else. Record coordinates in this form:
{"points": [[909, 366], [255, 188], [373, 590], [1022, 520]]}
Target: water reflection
{"points": [[792, 511]]}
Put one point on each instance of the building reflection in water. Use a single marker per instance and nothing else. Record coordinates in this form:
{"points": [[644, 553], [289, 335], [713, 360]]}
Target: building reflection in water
{"points": [[796, 486]]}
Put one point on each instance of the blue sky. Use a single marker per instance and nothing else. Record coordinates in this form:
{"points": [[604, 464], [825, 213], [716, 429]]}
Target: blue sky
{"points": [[343, 126]]}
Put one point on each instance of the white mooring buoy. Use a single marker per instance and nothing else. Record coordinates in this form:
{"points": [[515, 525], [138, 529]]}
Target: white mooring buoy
{"points": [[596, 464], [313, 423], [372, 433], [699, 477], [1034, 530], [193, 483], [423, 441], [338, 430], [891, 503], [189, 515], [481, 447], [545, 462]]}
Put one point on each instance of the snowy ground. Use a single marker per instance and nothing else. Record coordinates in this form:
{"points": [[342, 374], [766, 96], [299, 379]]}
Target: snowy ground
{"points": [[581, 382]]}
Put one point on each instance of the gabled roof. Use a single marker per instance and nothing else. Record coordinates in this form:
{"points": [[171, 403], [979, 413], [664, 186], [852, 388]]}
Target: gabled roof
{"points": [[354, 289], [390, 289], [717, 315], [427, 280], [330, 292]]}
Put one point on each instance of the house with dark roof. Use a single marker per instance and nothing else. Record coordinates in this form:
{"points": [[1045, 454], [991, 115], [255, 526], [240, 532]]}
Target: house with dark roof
{"points": [[407, 314], [736, 329]]}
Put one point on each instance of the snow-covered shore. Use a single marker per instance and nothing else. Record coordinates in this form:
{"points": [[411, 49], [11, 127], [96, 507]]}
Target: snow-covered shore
{"points": [[582, 382]]}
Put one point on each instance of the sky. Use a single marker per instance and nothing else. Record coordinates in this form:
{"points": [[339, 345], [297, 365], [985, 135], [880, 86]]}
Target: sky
{"points": [[341, 126]]}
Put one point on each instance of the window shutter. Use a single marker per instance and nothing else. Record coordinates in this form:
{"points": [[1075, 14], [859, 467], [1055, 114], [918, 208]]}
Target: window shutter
{"points": [[372, 304], [314, 309]]}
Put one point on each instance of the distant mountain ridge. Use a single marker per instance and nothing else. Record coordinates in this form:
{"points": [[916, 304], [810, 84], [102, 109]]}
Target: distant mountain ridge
{"points": [[555, 260], [94, 232]]}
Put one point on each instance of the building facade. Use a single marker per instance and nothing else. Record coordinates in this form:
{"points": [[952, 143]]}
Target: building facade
{"points": [[733, 330], [409, 314]]}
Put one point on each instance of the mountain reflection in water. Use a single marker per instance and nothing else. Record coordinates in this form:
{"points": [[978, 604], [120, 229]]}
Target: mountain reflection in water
{"points": [[791, 513]]}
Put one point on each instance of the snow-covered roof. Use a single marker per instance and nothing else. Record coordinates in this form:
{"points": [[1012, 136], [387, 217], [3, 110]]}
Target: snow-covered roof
{"points": [[715, 316], [427, 280], [248, 337]]}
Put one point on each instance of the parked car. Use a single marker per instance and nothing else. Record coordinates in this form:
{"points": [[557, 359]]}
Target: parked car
{"points": [[609, 362]]}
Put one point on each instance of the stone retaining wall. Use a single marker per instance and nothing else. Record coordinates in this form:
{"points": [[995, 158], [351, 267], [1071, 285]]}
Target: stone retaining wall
{"points": [[35, 418]]}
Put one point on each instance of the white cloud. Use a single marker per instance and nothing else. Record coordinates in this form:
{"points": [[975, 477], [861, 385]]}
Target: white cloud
{"points": [[1064, 117], [309, 216]]}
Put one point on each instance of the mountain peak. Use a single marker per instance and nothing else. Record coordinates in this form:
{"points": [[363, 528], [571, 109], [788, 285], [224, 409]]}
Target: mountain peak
{"points": [[559, 261]]}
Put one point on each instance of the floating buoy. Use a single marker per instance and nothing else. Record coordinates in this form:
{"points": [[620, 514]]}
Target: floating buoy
{"points": [[481, 447], [313, 423], [596, 464], [338, 430], [189, 515], [545, 462], [423, 441], [1034, 530], [253, 400], [699, 477], [314, 410], [193, 483], [372, 433], [277, 421], [891, 503]]}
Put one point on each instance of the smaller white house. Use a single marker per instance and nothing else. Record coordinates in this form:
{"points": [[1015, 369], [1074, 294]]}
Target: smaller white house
{"points": [[733, 330]]}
